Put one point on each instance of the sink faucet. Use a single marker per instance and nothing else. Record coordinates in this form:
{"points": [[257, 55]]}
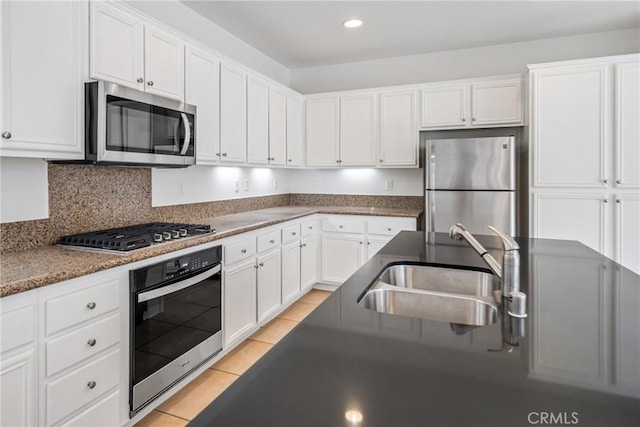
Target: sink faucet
{"points": [[509, 271]]}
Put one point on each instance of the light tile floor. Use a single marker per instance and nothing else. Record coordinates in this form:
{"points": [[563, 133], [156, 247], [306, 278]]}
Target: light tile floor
{"points": [[192, 399]]}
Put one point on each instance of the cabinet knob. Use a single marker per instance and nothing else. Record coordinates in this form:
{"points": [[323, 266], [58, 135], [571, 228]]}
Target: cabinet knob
{"points": [[388, 228], [618, 201], [473, 119], [293, 233], [255, 266], [339, 226], [618, 181], [91, 384], [605, 181], [464, 119], [224, 154], [261, 264], [91, 342], [360, 242], [91, 305], [140, 80], [272, 241], [338, 161], [310, 227], [289, 160], [218, 154], [243, 251], [605, 200], [381, 160], [150, 83], [6, 135]]}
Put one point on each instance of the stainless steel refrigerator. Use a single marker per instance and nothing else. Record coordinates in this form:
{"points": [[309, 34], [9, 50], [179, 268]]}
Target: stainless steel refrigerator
{"points": [[472, 181]]}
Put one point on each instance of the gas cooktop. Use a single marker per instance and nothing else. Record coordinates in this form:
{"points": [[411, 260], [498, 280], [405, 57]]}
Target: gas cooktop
{"points": [[126, 239]]}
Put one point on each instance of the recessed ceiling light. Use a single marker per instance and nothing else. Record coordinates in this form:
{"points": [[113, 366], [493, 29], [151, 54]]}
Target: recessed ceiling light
{"points": [[352, 23]]}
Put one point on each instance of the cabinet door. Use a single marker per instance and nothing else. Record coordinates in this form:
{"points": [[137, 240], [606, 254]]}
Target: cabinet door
{"points": [[581, 217], [323, 131], [308, 262], [202, 89], [239, 300], [627, 236], [290, 271], [569, 113], [398, 130], [257, 121], [277, 127], [444, 106], [341, 257], [163, 64], [294, 130], [269, 284], [627, 125], [357, 130], [498, 102], [233, 114], [374, 244], [42, 71], [116, 53], [18, 383]]}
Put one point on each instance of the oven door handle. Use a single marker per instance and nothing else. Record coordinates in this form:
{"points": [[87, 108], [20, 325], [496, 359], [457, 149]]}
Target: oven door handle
{"points": [[166, 290], [187, 134]]}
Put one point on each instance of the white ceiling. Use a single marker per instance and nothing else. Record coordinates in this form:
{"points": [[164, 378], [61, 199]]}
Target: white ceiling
{"points": [[301, 34]]}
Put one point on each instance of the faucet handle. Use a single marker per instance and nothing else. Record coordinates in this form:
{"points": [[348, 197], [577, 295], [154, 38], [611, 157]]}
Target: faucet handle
{"points": [[508, 243]]}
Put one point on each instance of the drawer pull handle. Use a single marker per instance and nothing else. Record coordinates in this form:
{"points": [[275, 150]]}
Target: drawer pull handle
{"points": [[261, 264], [339, 226], [91, 342], [304, 245], [272, 241], [91, 384], [293, 233], [310, 227], [389, 229], [244, 251], [91, 305]]}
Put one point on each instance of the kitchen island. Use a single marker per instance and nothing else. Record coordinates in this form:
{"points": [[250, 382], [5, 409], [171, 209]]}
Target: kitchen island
{"points": [[574, 360]]}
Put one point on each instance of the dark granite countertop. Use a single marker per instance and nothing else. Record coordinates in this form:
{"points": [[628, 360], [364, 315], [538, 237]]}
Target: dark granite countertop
{"points": [[29, 269], [578, 362]]}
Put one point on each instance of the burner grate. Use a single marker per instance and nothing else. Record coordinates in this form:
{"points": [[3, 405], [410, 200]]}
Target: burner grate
{"points": [[125, 239]]}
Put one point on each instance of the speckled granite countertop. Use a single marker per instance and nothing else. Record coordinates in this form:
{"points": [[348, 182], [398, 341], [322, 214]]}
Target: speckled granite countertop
{"points": [[31, 269]]}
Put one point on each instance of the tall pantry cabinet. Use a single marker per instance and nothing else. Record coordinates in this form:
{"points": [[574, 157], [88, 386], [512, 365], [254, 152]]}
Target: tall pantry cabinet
{"points": [[585, 154]]}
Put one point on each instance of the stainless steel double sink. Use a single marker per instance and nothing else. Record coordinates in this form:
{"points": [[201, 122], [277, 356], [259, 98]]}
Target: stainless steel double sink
{"points": [[447, 294]]}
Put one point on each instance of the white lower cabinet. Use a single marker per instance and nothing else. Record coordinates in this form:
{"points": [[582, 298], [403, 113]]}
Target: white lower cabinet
{"points": [[103, 413], [308, 262], [268, 284], [341, 256], [18, 382], [374, 244], [239, 300], [627, 233], [290, 271]]}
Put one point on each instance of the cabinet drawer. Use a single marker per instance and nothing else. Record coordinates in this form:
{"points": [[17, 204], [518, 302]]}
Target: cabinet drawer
{"points": [[390, 227], [81, 306], [18, 327], [239, 251], [291, 233], [103, 413], [310, 227], [73, 391], [75, 346], [339, 225], [268, 241]]}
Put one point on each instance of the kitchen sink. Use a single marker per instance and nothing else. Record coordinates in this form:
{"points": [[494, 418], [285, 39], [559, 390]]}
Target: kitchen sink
{"points": [[443, 294]]}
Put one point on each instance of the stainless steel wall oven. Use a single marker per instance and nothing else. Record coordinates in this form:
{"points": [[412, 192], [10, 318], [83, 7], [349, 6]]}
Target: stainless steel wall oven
{"points": [[176, 321]]}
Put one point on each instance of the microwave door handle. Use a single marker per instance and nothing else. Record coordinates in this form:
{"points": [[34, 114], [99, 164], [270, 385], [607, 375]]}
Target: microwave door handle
{"points": [[165, 290], [187, 134]]}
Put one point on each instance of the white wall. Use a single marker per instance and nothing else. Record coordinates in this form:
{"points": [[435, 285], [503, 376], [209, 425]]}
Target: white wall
{"points": [[187, 21], [463, 63], [209, 183], [24, 192]]}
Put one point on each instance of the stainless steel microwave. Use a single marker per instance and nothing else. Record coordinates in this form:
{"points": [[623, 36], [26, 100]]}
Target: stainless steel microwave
{"points": [[124, 126]]}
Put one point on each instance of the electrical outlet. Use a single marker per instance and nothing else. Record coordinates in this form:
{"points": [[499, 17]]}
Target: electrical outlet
{"points": [[388, 184], [245, 185], [237, 186]]}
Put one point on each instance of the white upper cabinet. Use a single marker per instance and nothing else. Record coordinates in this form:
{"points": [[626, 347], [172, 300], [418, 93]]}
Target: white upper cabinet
{"points": [[127, 51], [294, 129], [277, 126], [627, 125], [323, 131], [357, 130], [163, 63], [202, 89], [568, 114], [444, 106], [233, 114], [42, 71], [495, 101], [257, 121], [398, 128]]}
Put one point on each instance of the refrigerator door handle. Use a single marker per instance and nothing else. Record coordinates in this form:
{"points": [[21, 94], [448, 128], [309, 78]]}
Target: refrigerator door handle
{"points": [[431, 211], [431, 161]]}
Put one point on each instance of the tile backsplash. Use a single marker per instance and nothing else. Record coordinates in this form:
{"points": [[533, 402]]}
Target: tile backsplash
{"points": [[87, 198]]}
